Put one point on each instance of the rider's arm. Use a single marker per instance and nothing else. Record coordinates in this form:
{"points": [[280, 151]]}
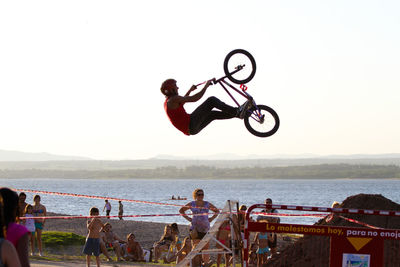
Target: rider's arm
{"points": [[175, 101], [200, 94], [194, 87]]}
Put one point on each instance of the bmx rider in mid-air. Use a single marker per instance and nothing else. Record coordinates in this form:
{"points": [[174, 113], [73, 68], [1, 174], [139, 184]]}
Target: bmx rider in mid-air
{"points": [[211, 109]]}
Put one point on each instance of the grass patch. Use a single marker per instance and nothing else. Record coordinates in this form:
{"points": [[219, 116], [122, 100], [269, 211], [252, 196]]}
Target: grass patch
{"points": [[56, 239]]}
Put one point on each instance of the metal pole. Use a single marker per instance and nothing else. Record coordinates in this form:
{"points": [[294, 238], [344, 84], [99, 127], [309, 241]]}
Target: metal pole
{"points": [[240, 232], [232, 234]]}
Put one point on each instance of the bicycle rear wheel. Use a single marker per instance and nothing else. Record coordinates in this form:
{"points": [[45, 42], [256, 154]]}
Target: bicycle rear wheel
{"points": [[239, 57], [262, 121]]}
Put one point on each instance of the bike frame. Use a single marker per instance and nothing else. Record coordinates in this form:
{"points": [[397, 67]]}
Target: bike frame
{"points": [[257, 114]]}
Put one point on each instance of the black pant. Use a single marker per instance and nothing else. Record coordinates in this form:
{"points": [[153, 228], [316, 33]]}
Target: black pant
{"points": [[205, 114]]}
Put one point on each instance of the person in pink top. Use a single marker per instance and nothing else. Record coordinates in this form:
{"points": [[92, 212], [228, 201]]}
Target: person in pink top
{"points": [[17, 234], [8, 254], [210, 110]]}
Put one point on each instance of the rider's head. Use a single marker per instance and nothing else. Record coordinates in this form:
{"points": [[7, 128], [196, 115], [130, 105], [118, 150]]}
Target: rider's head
{"points": [[169, 87]]}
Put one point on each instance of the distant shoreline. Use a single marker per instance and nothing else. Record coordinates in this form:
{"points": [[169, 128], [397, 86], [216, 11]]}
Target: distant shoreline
{"points": [[203, 179], [320, 171]]}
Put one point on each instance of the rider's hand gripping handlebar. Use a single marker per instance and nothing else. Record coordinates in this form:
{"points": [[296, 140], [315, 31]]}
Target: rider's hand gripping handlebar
{"points": [[213, 81]]}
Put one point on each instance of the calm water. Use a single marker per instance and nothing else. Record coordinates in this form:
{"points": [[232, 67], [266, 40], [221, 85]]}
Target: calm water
{"points": [[294, 192]]}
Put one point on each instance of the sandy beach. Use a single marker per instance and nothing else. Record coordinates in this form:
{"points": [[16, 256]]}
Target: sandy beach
{"points": [[308, 250], [146, 232], [43, 263]]}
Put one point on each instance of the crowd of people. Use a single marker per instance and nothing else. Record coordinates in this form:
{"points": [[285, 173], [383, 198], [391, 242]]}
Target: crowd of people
{"points": [[229, 236], [18, 235], [102, 239]]}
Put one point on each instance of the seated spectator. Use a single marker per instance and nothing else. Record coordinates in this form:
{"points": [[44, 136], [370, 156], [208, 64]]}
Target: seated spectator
{"points": [[103, 248], [17, 234], [185, 249], [112, 241], [175, 245], [175, 234], [132, 249], [163, 245]]}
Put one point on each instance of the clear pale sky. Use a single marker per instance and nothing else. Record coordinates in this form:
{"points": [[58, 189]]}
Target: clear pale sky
{"points": [[82, 77]]}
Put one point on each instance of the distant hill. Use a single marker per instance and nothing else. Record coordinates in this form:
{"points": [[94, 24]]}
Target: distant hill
{"points": [[15, 164], [58, 163], [231, 156], [14, 160], [236, 161], [8, 155], [322, 171]]}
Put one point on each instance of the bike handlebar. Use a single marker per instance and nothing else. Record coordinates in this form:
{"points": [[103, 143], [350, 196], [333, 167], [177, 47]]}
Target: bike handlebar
{"points": [[215, 81]]}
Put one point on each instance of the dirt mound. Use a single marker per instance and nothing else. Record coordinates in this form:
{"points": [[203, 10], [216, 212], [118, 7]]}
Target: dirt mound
{"points": [[314, 250]]}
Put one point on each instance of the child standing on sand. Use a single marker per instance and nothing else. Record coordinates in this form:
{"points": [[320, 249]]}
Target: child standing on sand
{"points": [[30, 225], [92, 245]]}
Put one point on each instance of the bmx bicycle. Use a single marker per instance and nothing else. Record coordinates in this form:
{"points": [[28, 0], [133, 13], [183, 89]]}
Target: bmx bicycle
{"points": [[240, 68]]}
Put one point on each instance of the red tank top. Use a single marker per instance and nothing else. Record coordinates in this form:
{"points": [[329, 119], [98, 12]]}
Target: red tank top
{"points": [[178, 117]]}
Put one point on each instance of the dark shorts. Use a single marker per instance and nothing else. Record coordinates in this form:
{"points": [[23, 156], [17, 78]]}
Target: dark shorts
{"points": [[39, 225], [196, 234], [92, 247]]}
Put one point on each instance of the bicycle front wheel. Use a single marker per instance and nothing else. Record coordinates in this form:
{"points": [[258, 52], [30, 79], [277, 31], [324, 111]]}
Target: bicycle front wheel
{"points": [[262, 121], [236, 58]]}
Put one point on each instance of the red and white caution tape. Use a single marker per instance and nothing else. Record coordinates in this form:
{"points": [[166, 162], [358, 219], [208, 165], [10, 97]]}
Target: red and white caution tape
{"points": [[95, 197]]}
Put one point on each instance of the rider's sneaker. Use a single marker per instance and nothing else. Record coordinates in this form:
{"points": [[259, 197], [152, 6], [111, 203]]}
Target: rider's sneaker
{"points": [[244, 108]]}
